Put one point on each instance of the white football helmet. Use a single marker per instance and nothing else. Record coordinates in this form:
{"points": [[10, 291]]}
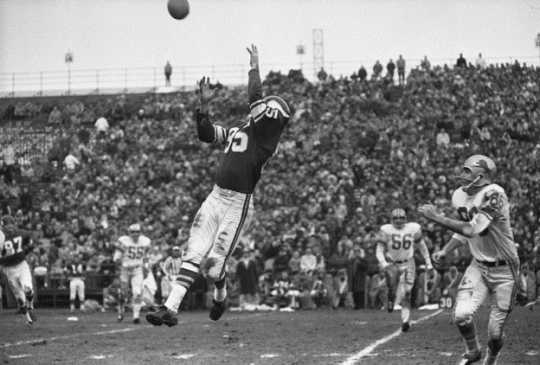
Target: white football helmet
{"points": [[477, 172]]}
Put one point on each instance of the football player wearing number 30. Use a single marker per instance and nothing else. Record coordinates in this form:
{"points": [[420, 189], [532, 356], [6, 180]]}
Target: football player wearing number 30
{"points": [[132, 255], [228, 208], [395, 253], [484, 224]]}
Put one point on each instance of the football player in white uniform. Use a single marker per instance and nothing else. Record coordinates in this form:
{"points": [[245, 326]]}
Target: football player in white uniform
{"points": [[171, 269], [131, 254], [395, 253], [483, 224], [14, 245]]}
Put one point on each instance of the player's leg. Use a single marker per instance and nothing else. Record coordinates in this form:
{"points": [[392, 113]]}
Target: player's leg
{"points": [[12, 276], [136, 293], [201, 237], [472, 292], [504, 291], [80, 293], [392, 275], [227, 238], [122, 294], [72, 294], [406, 283], [25, 279]]}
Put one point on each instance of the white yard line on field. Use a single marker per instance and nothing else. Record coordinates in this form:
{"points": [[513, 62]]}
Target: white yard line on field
{"points": [[44, 340], [367, 350]]}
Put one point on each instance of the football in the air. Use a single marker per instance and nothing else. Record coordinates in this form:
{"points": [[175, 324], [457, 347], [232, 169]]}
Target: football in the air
{"points": [[178, 9]]}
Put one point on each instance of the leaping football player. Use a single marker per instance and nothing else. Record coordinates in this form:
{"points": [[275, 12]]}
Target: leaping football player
{"points": [[395, 253], [228, 208], [15, 244], [484, 224], [131, 254]]}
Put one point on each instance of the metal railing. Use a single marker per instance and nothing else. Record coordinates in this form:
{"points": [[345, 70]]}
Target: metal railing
{"points": [[143, 79]]}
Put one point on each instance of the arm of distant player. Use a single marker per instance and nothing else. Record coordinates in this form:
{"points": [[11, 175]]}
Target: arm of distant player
{"points": [[379, 253], [421, 245], [254, 81], [206, 130], [478, 224]]}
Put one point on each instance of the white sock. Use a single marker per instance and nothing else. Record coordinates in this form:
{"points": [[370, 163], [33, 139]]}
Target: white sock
{"points": [[220, 294], [175, 297], [136, 310], [405, 314]]}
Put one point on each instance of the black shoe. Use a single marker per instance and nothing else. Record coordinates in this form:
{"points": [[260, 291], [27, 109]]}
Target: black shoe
{"points": [[162, 316], [136, 321], [217, 310], [470, 357], [405, 326]]}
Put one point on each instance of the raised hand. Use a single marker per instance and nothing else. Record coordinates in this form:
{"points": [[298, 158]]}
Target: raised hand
{"points": [[204, 90], [253, 56]]}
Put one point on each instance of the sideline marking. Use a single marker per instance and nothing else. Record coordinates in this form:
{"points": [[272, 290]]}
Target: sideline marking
{"points": [[367, 350], [44, 340]]}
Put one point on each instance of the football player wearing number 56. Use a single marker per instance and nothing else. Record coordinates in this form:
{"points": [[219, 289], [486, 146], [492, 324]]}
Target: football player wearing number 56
{"points": [[228, 208], [14, 245], [395, 253], [484, 224], [132, 256]]}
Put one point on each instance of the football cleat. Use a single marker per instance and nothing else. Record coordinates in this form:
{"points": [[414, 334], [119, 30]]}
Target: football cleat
{"points": [[405, 326], [120, 317], [162, 316], [217, 310], [30, 316], [470, 357], [136, 321]]}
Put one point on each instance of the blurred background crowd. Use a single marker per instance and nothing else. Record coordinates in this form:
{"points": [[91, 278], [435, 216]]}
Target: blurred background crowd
{"points": [[78, 170]]}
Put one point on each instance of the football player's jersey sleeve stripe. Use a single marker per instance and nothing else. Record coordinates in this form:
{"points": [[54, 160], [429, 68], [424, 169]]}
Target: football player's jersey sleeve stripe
{"points": [[458, 237], [220, 134], [258, 109]]}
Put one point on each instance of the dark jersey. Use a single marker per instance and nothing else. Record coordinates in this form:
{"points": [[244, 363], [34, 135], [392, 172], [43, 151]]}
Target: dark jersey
{"points": [[248, 147], [14, 246], [75, 270]]}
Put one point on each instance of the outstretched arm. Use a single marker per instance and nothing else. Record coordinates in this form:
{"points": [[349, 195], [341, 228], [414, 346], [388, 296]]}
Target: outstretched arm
{"points": [[254, 81], [421, 244], [207, 131], [477, 225]]}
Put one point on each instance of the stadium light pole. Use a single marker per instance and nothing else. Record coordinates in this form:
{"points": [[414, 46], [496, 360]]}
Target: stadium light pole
{"points": [[300, 52], [68, 59], [538, 46]]}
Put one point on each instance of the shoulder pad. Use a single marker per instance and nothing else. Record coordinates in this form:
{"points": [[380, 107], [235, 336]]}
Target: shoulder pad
{"points": [[457, 197], [386, 228], [144, 240]]}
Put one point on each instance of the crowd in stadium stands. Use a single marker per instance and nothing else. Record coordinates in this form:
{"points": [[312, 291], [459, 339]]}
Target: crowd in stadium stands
{"points": [[356, 147]]}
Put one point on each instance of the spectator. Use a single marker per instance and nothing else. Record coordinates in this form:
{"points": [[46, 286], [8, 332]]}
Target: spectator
{"points": [[401, 69], [71, 162], [443, 139], [390, 69], [480, 62], [308, 261], [168, 72], [377, 69], [322, 76], [246, 272], [102, 126], [461, 61], [425, 64], [362, 74], [357, 277]]}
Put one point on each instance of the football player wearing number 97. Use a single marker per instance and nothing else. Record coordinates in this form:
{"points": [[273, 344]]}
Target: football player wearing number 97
{"points": [[14, 245], [228, 208], [483, 224], [395, 253], [132, 256]]}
